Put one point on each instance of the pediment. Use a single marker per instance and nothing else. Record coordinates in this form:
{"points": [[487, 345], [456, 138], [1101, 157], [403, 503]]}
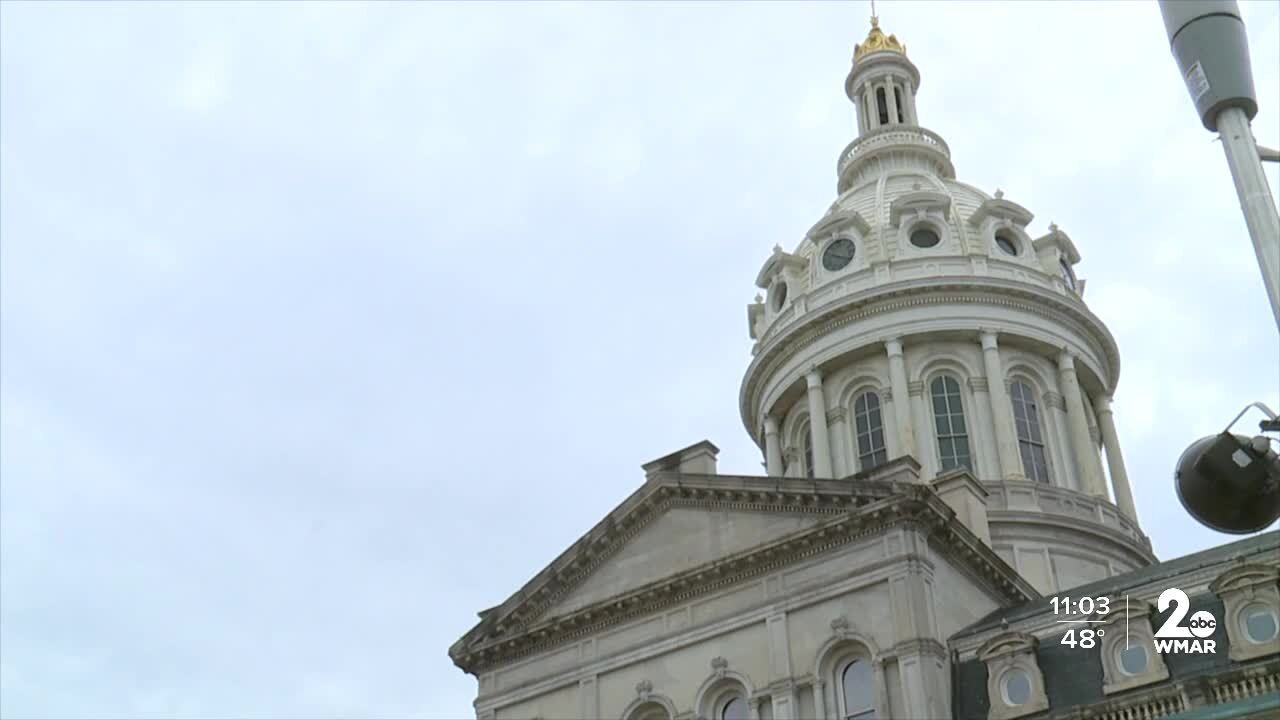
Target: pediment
{"points": [[684, 535], [918, 201], [835, 222], [680, 539], [1123, 608], [779, 262], [998, 207], [1245, 576], [1008, 643]]}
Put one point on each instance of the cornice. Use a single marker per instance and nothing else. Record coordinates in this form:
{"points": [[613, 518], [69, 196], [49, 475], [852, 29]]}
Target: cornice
{"points": [[800, 335], [873, 508], [1139, 545]]}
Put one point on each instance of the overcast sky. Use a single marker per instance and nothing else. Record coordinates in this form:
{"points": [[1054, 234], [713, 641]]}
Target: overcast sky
{"points": [[326, 326]]}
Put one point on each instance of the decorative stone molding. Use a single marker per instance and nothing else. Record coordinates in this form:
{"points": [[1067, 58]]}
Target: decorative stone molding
{"points": [[835, 415], [1055, 400], [915, 387], [1015, 685], [978, 384], [797, 338], [1000, 208], [644, 689], [840, 626], [918, 203], [517, 628], [719, 666], [1250, 592], [1128, 661], [835, 222], [779, 263]]}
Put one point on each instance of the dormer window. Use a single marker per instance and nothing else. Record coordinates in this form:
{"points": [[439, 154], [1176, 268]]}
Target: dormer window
{"points": [[925, 237], [1250, 595], [1131, 657], [1068, 277], [1006, 243], [778, 296], [1015, 686], [1128, 649]]}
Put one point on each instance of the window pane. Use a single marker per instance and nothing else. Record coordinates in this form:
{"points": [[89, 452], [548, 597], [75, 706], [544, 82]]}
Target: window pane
{"points": [[735, 709], [857, 682], [962, 452], [1030, 440]]}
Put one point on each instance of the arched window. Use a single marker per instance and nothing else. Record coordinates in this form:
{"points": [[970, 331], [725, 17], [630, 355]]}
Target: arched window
{"points": [[807, 441], [948, 418], [1030, 440], [735, 708], [882, 105], [650, 711], [897, 96], [869, 430], [857, 691]]}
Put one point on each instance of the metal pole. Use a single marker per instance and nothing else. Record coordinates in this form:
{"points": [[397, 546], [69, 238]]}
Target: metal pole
{"points": [[1256, 201]]}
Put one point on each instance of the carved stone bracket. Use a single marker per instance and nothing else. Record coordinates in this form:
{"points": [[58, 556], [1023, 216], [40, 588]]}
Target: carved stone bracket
{"points": [[840, 626], [719, 666], [643, 689]]}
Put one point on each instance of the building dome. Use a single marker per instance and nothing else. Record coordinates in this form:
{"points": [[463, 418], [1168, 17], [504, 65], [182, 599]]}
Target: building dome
{"points": [[922, 316]]}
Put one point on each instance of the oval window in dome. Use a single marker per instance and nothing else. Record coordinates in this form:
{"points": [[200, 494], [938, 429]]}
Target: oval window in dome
{"points": [[925, 237]]}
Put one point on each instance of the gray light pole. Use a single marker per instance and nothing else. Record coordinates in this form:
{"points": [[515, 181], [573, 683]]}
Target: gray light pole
{"points": [[1209, 43]]}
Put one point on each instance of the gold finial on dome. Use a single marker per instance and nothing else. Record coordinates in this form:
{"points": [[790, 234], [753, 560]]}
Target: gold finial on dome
{"points": [[877, 41]]}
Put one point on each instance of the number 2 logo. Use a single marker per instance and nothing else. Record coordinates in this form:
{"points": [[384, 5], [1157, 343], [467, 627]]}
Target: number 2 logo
{"points": [[1202, 623], [1172, 627]]}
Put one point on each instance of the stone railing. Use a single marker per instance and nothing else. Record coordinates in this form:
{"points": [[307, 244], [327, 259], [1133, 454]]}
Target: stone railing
{"points": [[1053, 500], [1247, 687], [909, 135]]}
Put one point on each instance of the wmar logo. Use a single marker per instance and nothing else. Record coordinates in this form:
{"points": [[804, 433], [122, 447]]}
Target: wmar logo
{"points": [[1173, 636]]}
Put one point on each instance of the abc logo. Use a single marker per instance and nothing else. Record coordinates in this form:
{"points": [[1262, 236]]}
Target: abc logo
{"points": [[1202, 624]]}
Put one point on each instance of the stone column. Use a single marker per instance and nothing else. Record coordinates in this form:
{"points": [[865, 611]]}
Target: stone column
{"points": [[772, 450], [1058, 440], [1115, 461], [982, 435], [1001, 410], [792, 466], [927, 457], [861, 112], [819, 699], [818, 425], [841, 462], [1081, 443], [909, 103], [889, 95], [901, 402]]}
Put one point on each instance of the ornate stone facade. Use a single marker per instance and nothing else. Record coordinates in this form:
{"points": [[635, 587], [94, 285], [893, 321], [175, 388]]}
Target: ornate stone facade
{"points": [[932, 398]]}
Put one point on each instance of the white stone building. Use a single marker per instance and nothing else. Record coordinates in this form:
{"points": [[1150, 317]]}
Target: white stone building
{"points": [[932, 397]]}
